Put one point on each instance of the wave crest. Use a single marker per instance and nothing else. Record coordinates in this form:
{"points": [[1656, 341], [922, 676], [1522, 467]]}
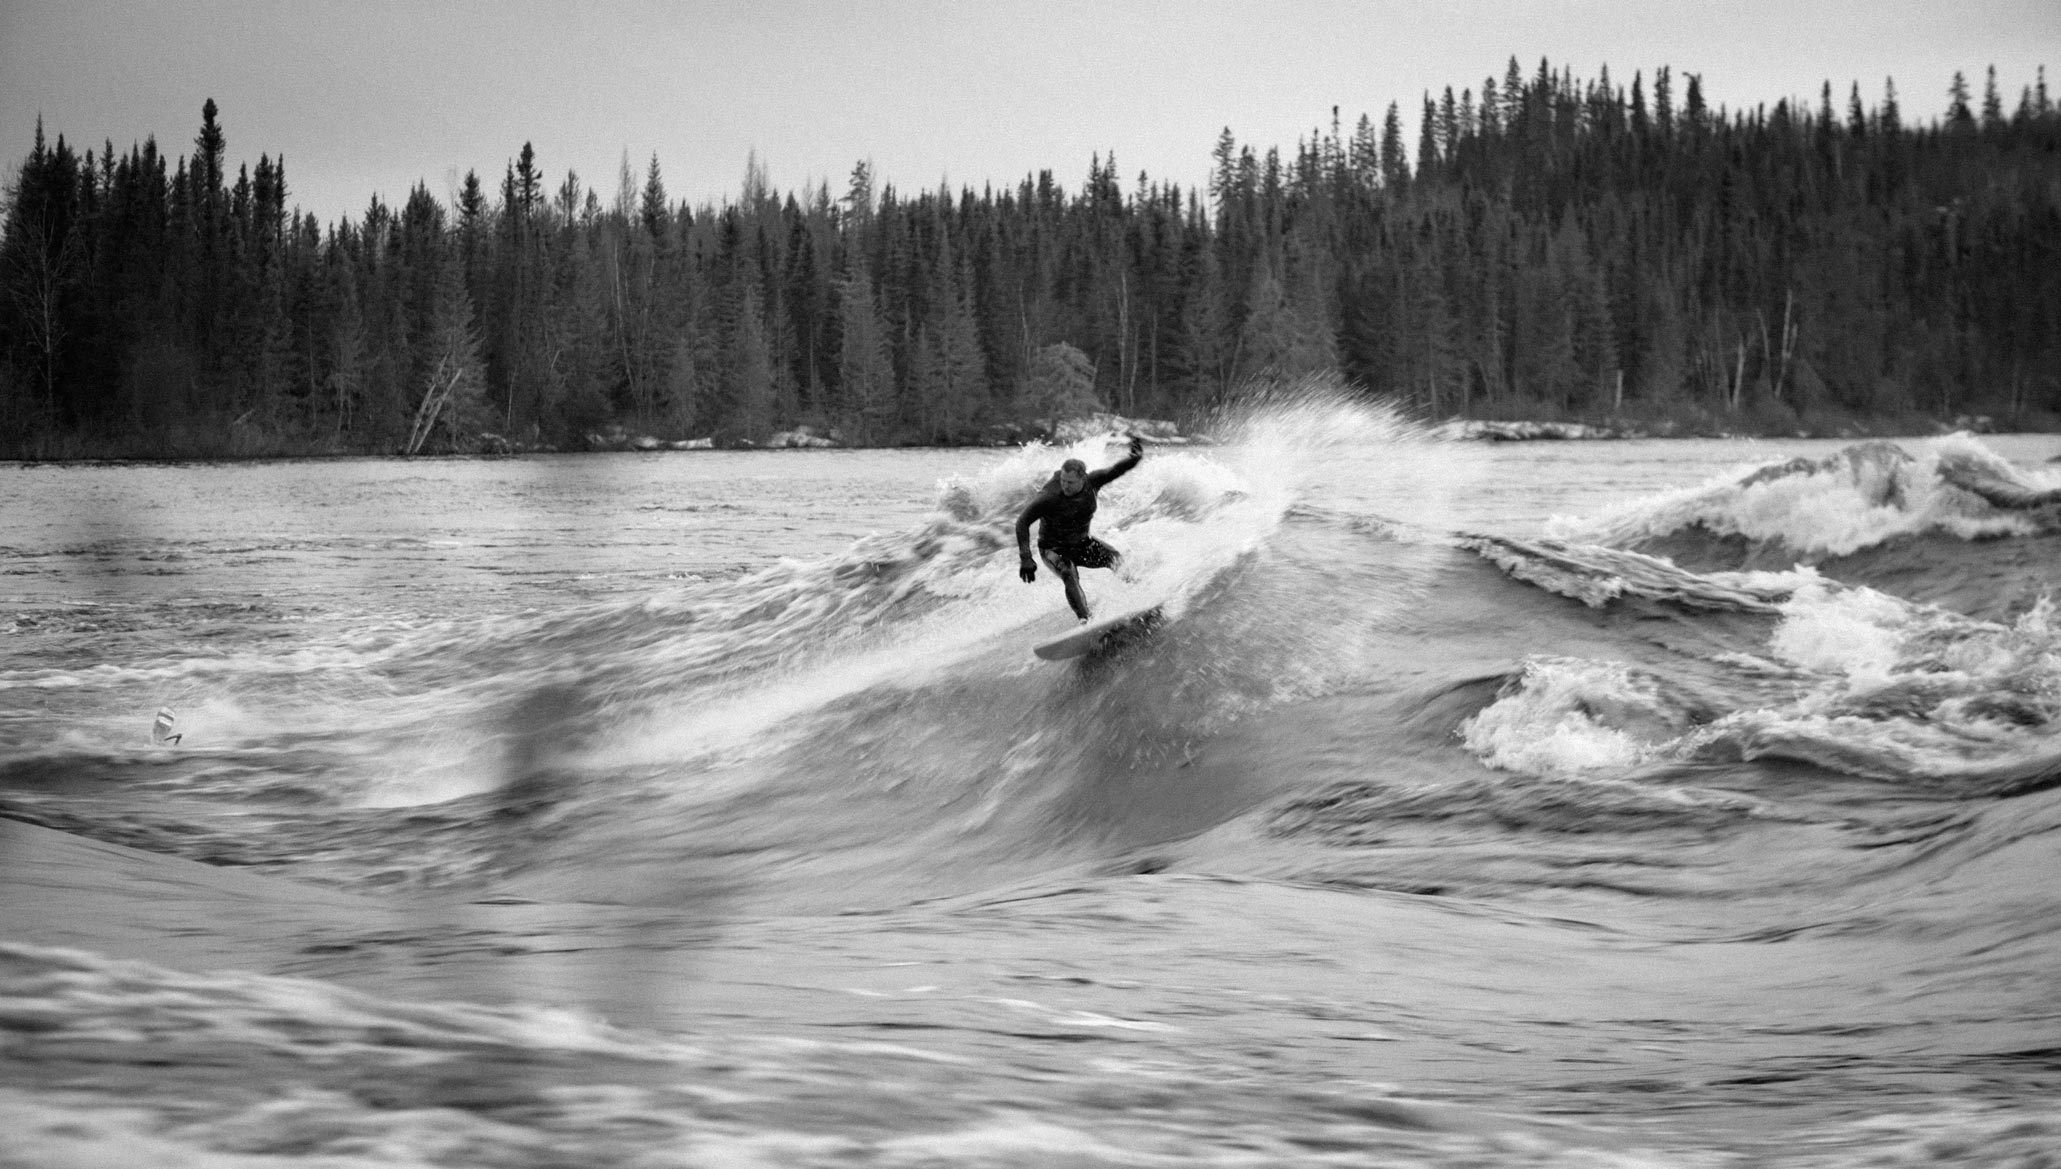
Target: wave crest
{"points": [[1807, 508]]}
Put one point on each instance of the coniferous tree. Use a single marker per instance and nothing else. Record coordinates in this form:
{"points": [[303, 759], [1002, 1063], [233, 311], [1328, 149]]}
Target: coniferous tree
{"points": [[865, 373], [951, 390], [42, 267], [345, 384], [1395, 171], [1959, 117], [747, 370]]}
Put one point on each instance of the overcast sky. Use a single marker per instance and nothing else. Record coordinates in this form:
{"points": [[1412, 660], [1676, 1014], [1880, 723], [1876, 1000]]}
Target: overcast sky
{"points": [[372, 96]]}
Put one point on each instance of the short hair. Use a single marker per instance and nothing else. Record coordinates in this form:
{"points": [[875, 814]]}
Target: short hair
{"points": [[1074, 465]]}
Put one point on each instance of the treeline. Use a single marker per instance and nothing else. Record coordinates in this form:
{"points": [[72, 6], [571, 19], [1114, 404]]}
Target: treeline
{"points": [[1552, 247]]}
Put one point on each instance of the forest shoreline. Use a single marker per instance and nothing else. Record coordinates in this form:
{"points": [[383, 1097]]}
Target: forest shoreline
{"points": [[1561, 250]]}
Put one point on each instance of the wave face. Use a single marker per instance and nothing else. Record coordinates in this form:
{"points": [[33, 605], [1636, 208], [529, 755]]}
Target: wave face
{"points": [[1716, 802]]}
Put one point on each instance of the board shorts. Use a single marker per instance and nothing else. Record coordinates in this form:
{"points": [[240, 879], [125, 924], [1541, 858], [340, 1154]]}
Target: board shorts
{"points": [[1088, 553]]}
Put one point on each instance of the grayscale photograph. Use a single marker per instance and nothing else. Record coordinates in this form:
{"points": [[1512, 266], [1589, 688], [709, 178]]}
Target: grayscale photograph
{"points": [[668, 584]]}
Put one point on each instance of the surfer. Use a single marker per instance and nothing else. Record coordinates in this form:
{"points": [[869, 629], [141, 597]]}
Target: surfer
{"points": [[1063, 510]]}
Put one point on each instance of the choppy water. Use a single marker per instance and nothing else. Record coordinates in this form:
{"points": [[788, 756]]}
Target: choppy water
{"points": [[1656, 803]]}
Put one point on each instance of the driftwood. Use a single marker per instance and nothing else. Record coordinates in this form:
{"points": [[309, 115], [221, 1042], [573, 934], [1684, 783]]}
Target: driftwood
{"points": [[442, 381]]}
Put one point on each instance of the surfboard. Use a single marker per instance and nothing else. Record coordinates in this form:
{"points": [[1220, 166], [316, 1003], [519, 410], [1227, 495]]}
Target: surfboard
{"points": [[1104, 633]]}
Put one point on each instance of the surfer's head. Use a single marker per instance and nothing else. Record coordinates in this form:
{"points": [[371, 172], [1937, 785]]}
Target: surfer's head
{"points": [[1073, 475]]}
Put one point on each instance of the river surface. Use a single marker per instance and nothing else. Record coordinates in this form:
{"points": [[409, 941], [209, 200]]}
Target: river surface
{"points": [[1655, 803]]}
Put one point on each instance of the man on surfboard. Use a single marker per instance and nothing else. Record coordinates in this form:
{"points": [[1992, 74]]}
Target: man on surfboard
{"points": [[1063, 510]]}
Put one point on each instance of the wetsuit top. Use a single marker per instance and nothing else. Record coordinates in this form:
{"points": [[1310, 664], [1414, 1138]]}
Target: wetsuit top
{"points": [[1063, 519]]}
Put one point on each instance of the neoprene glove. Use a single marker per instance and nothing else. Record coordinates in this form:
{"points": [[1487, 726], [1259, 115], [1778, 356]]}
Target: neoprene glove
{"points": [[1027, 569]]}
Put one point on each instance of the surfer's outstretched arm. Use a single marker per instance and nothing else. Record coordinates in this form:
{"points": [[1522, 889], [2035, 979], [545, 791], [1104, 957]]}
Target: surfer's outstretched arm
{"points": [[1118, 469]]}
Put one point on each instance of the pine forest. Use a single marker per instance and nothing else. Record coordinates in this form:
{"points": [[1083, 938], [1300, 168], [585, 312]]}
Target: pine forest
{"points": [[1544, 247]]}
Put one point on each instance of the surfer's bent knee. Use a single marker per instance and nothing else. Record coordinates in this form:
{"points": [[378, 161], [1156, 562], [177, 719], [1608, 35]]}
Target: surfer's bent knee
{"points": [[1056, 562]]}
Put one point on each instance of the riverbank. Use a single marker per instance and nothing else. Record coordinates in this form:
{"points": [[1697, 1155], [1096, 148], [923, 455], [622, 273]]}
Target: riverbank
{"points": [[238, 443]]}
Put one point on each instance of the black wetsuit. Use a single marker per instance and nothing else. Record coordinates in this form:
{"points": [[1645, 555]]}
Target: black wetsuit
{"points": [[1063, 539]]}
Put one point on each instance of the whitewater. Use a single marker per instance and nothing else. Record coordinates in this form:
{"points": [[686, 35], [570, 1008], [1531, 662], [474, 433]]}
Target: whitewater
{"points": [[1644, 803]]}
